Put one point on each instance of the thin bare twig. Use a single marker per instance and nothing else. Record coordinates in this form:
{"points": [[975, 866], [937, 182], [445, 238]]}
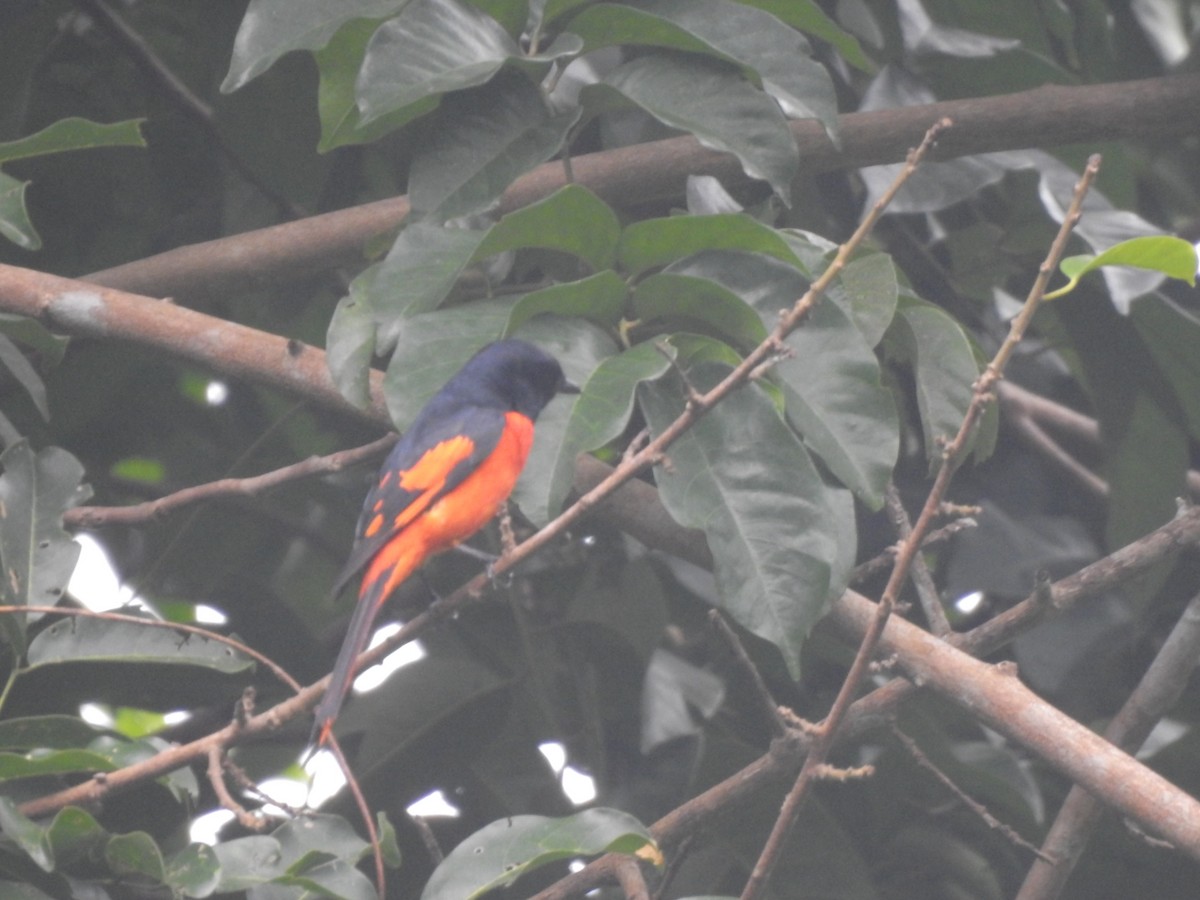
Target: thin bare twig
{"points": [[769, 711], [138, 513], [823, 743], [966, 799], [887, 558], [922, 580]]}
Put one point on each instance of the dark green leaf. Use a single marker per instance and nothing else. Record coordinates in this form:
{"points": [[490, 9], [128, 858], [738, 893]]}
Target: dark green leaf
{"points": [[1172, 335], [934, 346], [488, 138], [832, 383], [38, 555], [339, 62], [58, 762], [15, 223], [772, 524], [323, 847], [27, 834], [272, 28], [687, 296], [809, 17], [656, 242], [74, 134], [712, 101], [18, 366], [599, 297], [74, 835], [136, 854], [500, 853], [430, 48], [871, 290], [572, 220], [55, 732], [749, 37], [193, 871], [98, 640]]}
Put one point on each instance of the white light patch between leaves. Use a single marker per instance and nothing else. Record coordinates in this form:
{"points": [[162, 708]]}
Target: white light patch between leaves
{"points": [[374, 676], [433, 804]]}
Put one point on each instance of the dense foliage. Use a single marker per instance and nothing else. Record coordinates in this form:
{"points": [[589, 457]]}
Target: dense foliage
{"points": [[644, 188]]}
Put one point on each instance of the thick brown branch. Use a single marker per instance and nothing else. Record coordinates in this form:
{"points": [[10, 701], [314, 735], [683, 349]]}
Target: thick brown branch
{"points": [[645, 173], [83, 310]]}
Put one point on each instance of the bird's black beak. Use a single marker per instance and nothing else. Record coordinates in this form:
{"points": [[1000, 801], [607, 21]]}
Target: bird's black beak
{"points": [[569, 387]]}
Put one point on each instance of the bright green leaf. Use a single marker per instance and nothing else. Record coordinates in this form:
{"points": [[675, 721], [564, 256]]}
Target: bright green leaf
{"points": [[572, 220], [58, 732], [1171, 256], [58, 762], [137, 855], [193, 871]]}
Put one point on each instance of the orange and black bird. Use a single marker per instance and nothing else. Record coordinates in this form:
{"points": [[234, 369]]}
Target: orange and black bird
{"points": [[444, 480]]}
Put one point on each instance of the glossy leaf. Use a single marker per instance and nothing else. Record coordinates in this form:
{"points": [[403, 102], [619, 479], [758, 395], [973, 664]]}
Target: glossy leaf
{"points": [[193, 871], [752, 38], [743, 476], [500, 853], [831, 379], [38, 555], [271, 28], [488, 138], [710, 100], [436, 46], [74, 835], [82, 639]]}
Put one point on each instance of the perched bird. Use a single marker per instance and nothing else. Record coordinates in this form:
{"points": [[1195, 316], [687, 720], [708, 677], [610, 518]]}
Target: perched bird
{"points": [[444, 480]]}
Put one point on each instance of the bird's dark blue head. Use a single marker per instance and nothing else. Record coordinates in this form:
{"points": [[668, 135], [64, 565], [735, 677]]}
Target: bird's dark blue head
{"points": [[512, 374]]}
